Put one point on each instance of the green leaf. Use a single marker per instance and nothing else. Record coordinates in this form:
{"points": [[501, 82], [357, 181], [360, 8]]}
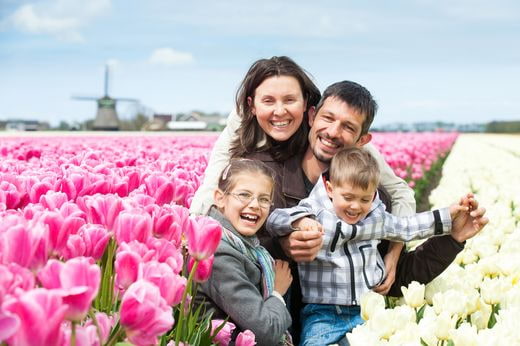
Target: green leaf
{"points": [[420, 313], [450, 343], [423, 343]]}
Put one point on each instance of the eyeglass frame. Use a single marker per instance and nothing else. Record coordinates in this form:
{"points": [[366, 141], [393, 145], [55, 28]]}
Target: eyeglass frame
{"points": [[250, 199]]}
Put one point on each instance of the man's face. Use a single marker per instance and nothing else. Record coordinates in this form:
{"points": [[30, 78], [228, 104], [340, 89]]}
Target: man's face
{"points": [[335, 126]]}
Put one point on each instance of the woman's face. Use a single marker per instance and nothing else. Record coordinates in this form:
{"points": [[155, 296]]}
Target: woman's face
{"points": [[278, 105]]}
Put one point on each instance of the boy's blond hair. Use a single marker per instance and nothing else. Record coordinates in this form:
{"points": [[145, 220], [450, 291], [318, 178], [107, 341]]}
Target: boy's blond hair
{"points": [[354, 166]]}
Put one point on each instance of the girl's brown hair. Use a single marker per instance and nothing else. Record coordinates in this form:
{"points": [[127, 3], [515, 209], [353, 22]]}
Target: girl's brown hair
{"points": [[250, 132], [226, 181]]}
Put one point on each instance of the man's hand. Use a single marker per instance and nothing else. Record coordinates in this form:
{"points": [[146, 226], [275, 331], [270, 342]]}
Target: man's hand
{"points": [[391, 259], [467, 218], [307, 224], [302, 246]]}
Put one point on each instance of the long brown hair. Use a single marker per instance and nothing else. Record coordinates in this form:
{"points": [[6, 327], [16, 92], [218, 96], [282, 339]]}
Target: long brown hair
{"points": [[250, 132]]}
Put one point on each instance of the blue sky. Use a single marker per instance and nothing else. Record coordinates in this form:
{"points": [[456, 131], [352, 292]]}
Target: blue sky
{"points": [[456, 61]]}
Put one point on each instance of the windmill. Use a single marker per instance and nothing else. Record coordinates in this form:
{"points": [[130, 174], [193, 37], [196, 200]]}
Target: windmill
{"points": [[106, 116]]}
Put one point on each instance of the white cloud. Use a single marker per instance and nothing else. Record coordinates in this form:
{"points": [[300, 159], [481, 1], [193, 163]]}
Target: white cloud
{"points": [[60, 18], [169, 56]]}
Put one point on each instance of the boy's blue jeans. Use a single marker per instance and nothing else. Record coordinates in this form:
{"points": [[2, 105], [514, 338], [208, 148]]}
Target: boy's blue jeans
{"points": [[324, 324]]}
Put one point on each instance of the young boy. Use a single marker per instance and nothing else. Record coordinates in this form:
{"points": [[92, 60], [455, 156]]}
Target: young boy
{"points": [[346, 207]]}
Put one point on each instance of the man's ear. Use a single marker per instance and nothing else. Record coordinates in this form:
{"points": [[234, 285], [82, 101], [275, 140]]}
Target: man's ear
{"points": [[251, 105], [218, 197], [364, 140], [328, 187], [312, 114]]}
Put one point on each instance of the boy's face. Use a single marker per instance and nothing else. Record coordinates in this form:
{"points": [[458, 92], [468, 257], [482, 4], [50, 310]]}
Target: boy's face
{"points": [[351, 203]]}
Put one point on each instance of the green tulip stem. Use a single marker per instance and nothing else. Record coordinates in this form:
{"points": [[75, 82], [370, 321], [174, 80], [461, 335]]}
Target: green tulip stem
{"points": [[73, 334], [180, 322], [114, 338]]}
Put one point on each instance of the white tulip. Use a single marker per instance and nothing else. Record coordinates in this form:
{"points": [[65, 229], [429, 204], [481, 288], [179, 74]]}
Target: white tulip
{"points": [[443, 325], [414, 294], [493, 290], [451, 301], [464, 335], [362, 336], [370, 303], [480, 317], [409, 334], [382, 323]]}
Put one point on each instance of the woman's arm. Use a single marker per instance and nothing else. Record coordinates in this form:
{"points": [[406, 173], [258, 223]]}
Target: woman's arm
{"points": [[218, 160]]}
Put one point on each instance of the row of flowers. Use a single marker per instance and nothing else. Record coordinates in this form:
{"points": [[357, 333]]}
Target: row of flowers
{"points": [[412, 155], [97, 245], [476, 301]]}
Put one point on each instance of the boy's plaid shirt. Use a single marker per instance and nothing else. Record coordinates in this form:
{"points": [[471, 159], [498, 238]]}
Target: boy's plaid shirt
{"points": [[349, 264]]}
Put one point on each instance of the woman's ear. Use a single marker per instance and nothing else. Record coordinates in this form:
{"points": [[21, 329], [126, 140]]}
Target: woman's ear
{"points": [[251, 105], [312, 114], [218, 197]]}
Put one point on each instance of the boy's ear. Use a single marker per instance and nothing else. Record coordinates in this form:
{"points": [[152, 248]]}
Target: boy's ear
{"points": [[328, 187], [312, 115], [218, 197], [364, 140]]}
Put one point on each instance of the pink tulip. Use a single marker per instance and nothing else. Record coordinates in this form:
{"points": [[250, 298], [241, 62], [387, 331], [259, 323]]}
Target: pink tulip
{"points": [[204, 236], [134, 224], [90, 241], [9, 195], [170, 284], [245, 338], [60, 228], [26, 245], [165, 224], [40, 313], [77, 280], [101, 209], [9, 325], [14, 280], [203, 271], [37, 190], [53, 200], [144, 314], [127, 268], [159, 187], [223, 337], [166, 252]]}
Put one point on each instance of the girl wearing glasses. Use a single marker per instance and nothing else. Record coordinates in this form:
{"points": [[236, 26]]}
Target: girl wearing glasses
{"points": [[246, 284]]}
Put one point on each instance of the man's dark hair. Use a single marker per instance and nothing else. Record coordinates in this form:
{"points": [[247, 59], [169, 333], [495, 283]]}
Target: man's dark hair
{"points": [[356, 96]]}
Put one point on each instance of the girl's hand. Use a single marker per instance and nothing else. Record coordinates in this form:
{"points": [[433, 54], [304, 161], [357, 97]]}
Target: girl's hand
{"points": [[307, 224], [282, 276]]}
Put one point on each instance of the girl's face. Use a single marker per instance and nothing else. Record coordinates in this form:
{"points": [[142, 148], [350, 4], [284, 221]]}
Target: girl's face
{"points": [[278, 105], [247, 204]]}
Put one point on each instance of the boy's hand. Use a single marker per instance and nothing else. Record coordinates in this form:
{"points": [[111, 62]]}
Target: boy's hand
{"points": [[467, 218], [307, 224], [282, 276]]}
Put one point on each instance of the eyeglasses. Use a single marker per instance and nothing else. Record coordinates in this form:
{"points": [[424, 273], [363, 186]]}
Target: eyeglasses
{"points": [[246, 198]]}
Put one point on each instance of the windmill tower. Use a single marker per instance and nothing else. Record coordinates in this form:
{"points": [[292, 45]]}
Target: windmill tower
{"points": [[106, 116]]}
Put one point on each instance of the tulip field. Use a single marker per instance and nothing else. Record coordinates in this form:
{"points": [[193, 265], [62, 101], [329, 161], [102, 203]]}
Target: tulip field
{"points": [[97, 245]]}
